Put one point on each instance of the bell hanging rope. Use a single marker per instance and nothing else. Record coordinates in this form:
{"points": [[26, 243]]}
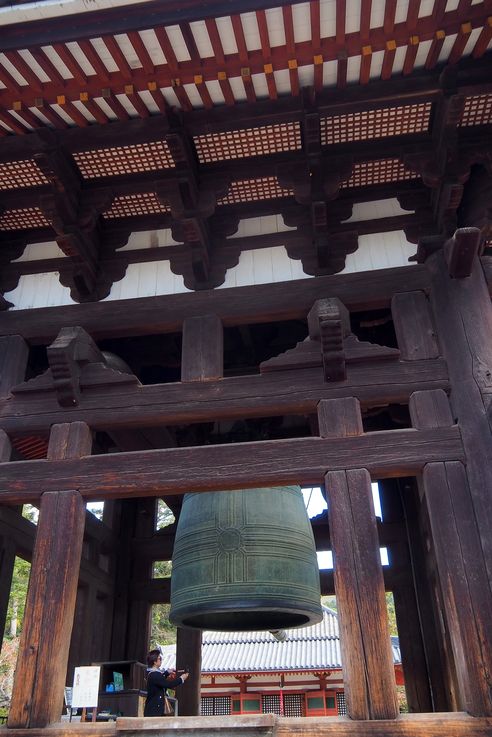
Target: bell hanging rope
{"points": [[245, 560]]}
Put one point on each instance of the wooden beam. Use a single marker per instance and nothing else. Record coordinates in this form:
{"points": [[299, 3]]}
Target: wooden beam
{"points": [[413, 326], [222, 467], [203, 349], [237, 306], [264, 395]]}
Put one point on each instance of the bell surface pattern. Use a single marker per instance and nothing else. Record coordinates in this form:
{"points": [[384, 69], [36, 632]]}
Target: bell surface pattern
{"points": [[245, 560]]}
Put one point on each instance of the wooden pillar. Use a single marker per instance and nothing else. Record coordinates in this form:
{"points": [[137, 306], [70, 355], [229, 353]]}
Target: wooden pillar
{"points": [[14, 353], [37, 696], [366, 649], [189, 657], [417, 685], [414, 328], [461, 565], [463, 316], [7, 551]]}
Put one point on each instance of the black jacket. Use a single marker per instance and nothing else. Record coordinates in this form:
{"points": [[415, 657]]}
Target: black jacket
{"points": [[157, 683]]}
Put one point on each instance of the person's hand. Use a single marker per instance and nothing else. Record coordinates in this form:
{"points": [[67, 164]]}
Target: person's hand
{"points": [[184, 676]]}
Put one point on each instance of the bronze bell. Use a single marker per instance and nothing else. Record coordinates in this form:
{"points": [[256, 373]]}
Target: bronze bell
{"points": [[245, 560]]}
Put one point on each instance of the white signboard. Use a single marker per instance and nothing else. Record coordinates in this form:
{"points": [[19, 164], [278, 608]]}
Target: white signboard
{"points": [[86, 686]]}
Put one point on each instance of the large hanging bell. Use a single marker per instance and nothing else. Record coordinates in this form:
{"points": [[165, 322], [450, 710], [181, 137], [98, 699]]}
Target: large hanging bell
{"points": [[245, 560]]}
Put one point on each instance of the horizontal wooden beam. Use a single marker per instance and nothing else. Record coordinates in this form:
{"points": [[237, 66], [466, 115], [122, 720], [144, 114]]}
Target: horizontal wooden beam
{"points": [[260, 395], [241, 465], [235, 306]]}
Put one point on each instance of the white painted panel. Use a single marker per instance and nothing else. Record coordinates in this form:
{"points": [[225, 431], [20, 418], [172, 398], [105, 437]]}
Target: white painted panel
{"points": [[422, 53], [472, 40], [261, 226], [251, 31], [21, 120], [353, 68], [127, 105], [126, 47], [426, 8], [167, 282], [80, 57], [103, 53], [39, 251], [238, 90], [170, 97], [38, 290], [57, 62], [376, 64], [6, 127], [215, 92], [328, 17], [281, 264], [105, 108], [352, 16], [82, 108], [281, 226], [153, 46], [301, 19], [149, 239], [401, 11], [147, 280], [268, 224], [12, 70], [38, 114], [193, 94], [282, 81], [306, 75], [226, 34], [275, 25], [375, 209], [34, 66], [446, 47], [202, 39], [380, 251], [452, 5], [377, 15], [262, 266], [260, 85], [177, 42], [148, 101], [330, 70], [399, 60]]}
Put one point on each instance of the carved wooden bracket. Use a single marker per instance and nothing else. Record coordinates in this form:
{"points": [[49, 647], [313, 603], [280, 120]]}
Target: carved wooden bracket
{"points": [[461, 250], [330, 344], [71, 350]]}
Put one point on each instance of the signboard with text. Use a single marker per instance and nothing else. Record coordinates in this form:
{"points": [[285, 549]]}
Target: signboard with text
{"points": [[85, 686]]}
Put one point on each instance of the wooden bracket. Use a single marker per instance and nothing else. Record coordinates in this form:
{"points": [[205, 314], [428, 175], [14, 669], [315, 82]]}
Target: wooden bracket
{"points": [[461, 250], [72, 348]]}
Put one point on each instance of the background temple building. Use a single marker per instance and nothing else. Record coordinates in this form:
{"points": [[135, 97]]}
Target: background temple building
{"points": [[247, 245]]}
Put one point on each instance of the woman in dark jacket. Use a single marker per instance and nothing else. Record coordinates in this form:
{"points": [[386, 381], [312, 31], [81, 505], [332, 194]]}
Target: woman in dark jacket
{"points": [[157, 683]]}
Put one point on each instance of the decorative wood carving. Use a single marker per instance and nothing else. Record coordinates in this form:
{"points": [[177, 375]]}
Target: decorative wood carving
{"points": [[72, 349]]}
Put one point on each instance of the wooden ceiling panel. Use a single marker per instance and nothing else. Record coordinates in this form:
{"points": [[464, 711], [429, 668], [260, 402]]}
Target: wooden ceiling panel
{"points": [[136, 205], [381, 171], [252, 190], [267, 139], [477, 110], [19, 174], [122, 160], [25, 218], [379, 123]]}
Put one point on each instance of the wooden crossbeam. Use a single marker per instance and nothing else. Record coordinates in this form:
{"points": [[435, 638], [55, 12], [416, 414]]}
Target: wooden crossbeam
{"points": [[239, 465]]}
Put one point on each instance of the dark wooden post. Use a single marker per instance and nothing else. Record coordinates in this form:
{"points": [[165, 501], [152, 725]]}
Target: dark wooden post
{"points": [[14, 353], [463, 316], [7, 551], [189, 657], [413, 326], [43, 653], [466, 595], [368, 668]]}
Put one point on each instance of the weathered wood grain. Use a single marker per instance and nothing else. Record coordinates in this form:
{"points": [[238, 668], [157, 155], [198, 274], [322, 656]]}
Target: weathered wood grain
{"points": [[7, 560], [203, 349], [37, 696], [189, 657], [413, 326], [367, 658], [265, 395], [239, 465], [339, 418], [236, 306], [467, 598], [430, 409]]}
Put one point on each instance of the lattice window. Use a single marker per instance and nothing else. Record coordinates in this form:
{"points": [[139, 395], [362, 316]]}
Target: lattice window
{"points": [[270, 704], [293, 704], [120, 160], [341, 705], [267, 139], [23, 219], [144, 203], [477, 110], [252, 190], [381, 171], [215, 705], [361, 126], [31, 447], [25, 173]]}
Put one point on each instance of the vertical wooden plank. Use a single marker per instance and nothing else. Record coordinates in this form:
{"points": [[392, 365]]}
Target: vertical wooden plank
{"points": [[14, 353], [7, 560], [37, 696], [203, 351], [413, 326], [430, 409], [189, 657], [467, 599], [366, 649], [339, 418]]}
